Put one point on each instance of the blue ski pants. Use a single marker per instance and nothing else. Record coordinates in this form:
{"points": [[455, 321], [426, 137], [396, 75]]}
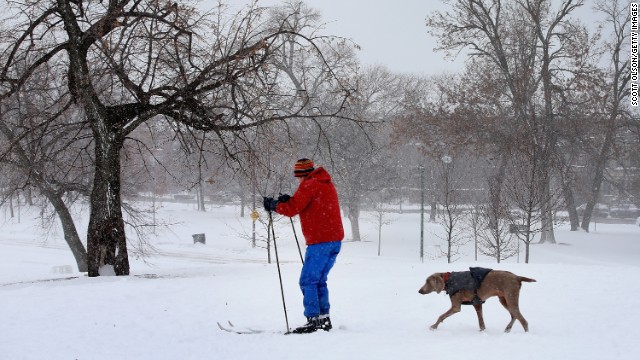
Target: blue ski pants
{"points": [[318, 260]]}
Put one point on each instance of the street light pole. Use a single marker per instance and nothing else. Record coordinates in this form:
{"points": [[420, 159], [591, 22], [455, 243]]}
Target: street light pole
{"points": [[254, 213], [421, 213]]}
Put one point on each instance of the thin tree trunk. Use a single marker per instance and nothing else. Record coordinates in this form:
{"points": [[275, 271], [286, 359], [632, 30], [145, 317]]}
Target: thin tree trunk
{"points": [[55, 198], [243, 200], [380, 215], [11, 214], [598, 174], [354, 219], [200, 194], [570, 203], [433, 212], [69, 229], [29, 196], [547, 235], [495, 191]]}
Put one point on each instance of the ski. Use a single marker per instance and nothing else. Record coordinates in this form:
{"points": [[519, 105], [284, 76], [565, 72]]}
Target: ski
{"points": [[245, 330], [237, 330]]}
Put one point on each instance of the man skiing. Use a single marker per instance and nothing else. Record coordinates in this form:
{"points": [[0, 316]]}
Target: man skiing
{"points": [[316, 201]]}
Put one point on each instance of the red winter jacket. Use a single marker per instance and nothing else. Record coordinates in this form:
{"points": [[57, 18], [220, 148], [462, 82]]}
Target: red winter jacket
{"points": [[316, 200]]}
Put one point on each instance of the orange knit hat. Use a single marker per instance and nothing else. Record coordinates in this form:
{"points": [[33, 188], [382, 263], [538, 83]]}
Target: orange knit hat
{"points": [[303, 167]]}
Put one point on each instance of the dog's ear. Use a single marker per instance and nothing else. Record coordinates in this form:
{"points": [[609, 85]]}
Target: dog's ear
{"points": [[439, 283], [435, 283]]}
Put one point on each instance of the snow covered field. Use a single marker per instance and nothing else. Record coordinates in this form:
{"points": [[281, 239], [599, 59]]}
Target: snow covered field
{"points": [[583, 305]]}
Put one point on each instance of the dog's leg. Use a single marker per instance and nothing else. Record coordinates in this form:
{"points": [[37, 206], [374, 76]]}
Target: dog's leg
{"points": [[454, 309], [504, 303], [514, 310], [515, 314], [510, 324], [478, 308], [525, 324]]}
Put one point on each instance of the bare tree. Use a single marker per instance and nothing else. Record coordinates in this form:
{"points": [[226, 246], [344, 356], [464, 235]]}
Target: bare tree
{"points": [[46, 149], [496, 241], [476, 222], [529, 43], [381, 218], [127, 62], [525, 192], [361, 159], [452, 214], [617, 90]]}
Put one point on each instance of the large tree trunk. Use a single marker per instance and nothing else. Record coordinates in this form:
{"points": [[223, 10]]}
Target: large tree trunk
{"points": [[106, 240]]}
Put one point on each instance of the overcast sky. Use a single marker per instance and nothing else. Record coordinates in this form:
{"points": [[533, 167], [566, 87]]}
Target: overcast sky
{"points": [[391, 33]]}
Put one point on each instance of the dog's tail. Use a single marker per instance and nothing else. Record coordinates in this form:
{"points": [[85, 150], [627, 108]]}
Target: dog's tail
{"points": [[526, 279]]}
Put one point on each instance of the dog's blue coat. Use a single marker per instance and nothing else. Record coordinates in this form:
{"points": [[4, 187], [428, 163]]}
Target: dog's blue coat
{"points": [[466, 280]]}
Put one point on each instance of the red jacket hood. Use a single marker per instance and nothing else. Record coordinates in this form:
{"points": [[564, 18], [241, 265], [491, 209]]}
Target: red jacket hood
{"points": [[319, 174]]}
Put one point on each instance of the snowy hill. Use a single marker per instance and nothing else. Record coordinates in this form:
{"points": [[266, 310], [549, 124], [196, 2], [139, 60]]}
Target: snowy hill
{"points": [[583, 305]]}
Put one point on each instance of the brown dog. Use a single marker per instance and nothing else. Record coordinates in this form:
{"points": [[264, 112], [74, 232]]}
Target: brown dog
{"points": [[503, 284]]}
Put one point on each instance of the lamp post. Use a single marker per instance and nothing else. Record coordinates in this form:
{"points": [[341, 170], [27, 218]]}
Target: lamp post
{"points": [[254, 213], [421, 213], [419, 145]]}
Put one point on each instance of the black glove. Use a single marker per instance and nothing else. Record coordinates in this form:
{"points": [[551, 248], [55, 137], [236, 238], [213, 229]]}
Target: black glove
{"points": [[283, 198], [270, 203]]}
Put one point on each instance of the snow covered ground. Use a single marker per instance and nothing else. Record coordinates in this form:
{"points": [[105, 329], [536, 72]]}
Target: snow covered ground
{"points": [[583, 305]]}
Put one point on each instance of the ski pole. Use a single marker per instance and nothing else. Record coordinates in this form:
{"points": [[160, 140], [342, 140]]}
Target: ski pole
{"points": [[297, 242], [275, 247]]}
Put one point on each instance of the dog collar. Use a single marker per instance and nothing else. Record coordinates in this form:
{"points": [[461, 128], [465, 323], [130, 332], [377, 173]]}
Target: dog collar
{"points": [[446, 279]]}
